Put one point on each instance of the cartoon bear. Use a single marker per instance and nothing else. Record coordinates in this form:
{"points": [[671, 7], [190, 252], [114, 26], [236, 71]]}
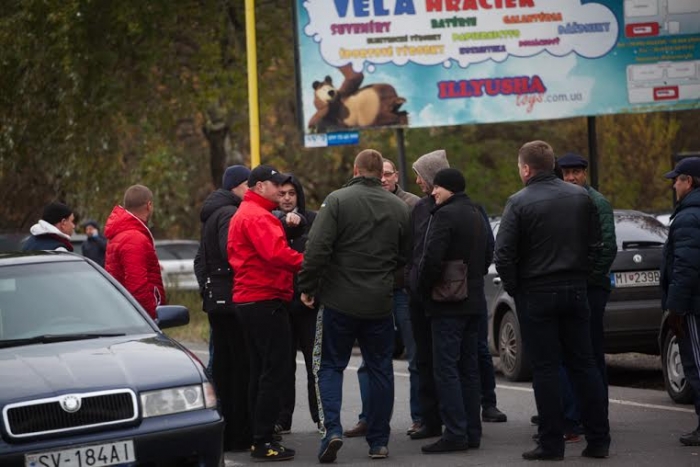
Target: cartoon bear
{"points": [[350, 106]]}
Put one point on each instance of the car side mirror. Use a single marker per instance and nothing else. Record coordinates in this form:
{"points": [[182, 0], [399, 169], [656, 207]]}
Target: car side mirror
{"points": [[170, 316]]}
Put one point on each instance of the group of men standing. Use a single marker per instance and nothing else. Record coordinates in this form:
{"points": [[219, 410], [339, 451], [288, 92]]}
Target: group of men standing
{"points": [[275, 277], [343, 275]]}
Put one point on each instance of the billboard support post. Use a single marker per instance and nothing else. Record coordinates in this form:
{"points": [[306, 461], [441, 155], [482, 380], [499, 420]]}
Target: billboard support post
{"points": [[593, 152], [400, 142]]}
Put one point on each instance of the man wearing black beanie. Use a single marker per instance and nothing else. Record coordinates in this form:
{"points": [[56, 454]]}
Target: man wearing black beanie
{"points": [[228, 357], [456, 249], [54, 229]]}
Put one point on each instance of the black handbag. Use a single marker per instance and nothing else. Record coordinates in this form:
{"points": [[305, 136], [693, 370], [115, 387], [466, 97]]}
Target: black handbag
{"points": [[218, 291]]}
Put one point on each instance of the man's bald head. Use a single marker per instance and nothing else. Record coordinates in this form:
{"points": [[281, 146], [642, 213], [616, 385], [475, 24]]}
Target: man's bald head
{"points": [[137, 196]]}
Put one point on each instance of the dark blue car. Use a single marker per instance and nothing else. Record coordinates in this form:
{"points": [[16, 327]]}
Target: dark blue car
{"points": [[87, 379]]}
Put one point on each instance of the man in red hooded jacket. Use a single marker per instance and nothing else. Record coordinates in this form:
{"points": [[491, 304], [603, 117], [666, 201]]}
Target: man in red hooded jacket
{"points": [[131, 254], [264, 266]]}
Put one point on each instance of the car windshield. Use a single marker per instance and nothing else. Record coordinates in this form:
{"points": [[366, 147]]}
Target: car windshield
{"points": [[634, 230], [44, 301]]}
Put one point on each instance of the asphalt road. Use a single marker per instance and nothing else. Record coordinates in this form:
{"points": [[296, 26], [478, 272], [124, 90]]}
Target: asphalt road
{"points": [[645, 424]]}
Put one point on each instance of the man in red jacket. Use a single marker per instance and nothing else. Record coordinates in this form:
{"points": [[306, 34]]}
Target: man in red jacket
{"points": [[264, 266], [131, 254]]}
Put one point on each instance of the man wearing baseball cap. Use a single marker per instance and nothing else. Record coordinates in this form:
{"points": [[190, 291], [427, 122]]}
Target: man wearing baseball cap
{"points": [[680, 277], [264, 265], [574, 170]]}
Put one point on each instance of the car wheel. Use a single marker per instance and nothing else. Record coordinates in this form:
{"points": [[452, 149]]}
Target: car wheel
{"points": [[674, 379], [514, 363]]}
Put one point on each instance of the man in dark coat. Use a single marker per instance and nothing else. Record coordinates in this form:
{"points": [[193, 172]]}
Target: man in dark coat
{"points": [[54, 229], [542, 257], [230, 366], [358, 240], [573, 168], [297, 222], [95, 245], [425, 167], [680, 277], [455, 234]]}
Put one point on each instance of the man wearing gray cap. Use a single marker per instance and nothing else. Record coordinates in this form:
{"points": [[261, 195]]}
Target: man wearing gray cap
{"points": [[680, 278]]}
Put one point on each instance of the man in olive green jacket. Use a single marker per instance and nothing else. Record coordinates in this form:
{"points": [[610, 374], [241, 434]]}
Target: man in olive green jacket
{"points": [[574, 171], [359, 238]]}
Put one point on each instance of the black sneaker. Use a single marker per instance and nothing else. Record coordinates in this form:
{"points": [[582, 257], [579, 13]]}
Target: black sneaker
{"points": [[443, 445], [690, 439], [539, 454], [595, 452], [493, 415], [329, 450], [266, 452]]}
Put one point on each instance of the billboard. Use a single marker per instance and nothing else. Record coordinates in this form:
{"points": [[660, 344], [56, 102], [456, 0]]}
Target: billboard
{"points": [[426, 63]]}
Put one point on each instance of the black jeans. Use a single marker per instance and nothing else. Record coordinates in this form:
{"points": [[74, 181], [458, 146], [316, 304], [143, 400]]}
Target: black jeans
{"points": [[302, 321], [231, 372], [422, 334], [267, 336], [457, 376], [597, 299], [555, 322]]}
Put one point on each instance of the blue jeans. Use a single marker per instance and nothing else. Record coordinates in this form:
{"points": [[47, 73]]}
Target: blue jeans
{"points": [[555, 321], [376, 339], [486, 373], [402, 319], [597, 299], [455, 368]]}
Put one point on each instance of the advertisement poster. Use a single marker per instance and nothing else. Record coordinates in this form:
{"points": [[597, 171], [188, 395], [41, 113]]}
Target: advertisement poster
{"points": [[427, 63]]}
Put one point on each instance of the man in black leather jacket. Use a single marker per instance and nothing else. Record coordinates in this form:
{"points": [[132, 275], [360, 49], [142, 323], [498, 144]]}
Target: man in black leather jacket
{"points": [[543, 258]]}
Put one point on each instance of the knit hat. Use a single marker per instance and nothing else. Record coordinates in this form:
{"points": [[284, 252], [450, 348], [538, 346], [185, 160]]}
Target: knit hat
{"points": [[56, 212], [91, 223], [234, 176], [450, 179], [429, 164]]}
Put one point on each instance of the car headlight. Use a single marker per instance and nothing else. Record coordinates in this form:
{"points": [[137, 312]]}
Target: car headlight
{"points": [[176, 400]]}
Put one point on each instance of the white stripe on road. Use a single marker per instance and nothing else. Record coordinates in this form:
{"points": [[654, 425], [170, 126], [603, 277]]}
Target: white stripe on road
{"points": [[526, 389], [612, 401]]}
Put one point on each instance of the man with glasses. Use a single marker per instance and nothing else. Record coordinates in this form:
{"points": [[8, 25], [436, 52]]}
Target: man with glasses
{"points": [[680, 273]]}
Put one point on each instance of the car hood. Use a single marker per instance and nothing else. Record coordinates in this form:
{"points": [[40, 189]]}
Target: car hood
{"points": [[139, 362]]}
